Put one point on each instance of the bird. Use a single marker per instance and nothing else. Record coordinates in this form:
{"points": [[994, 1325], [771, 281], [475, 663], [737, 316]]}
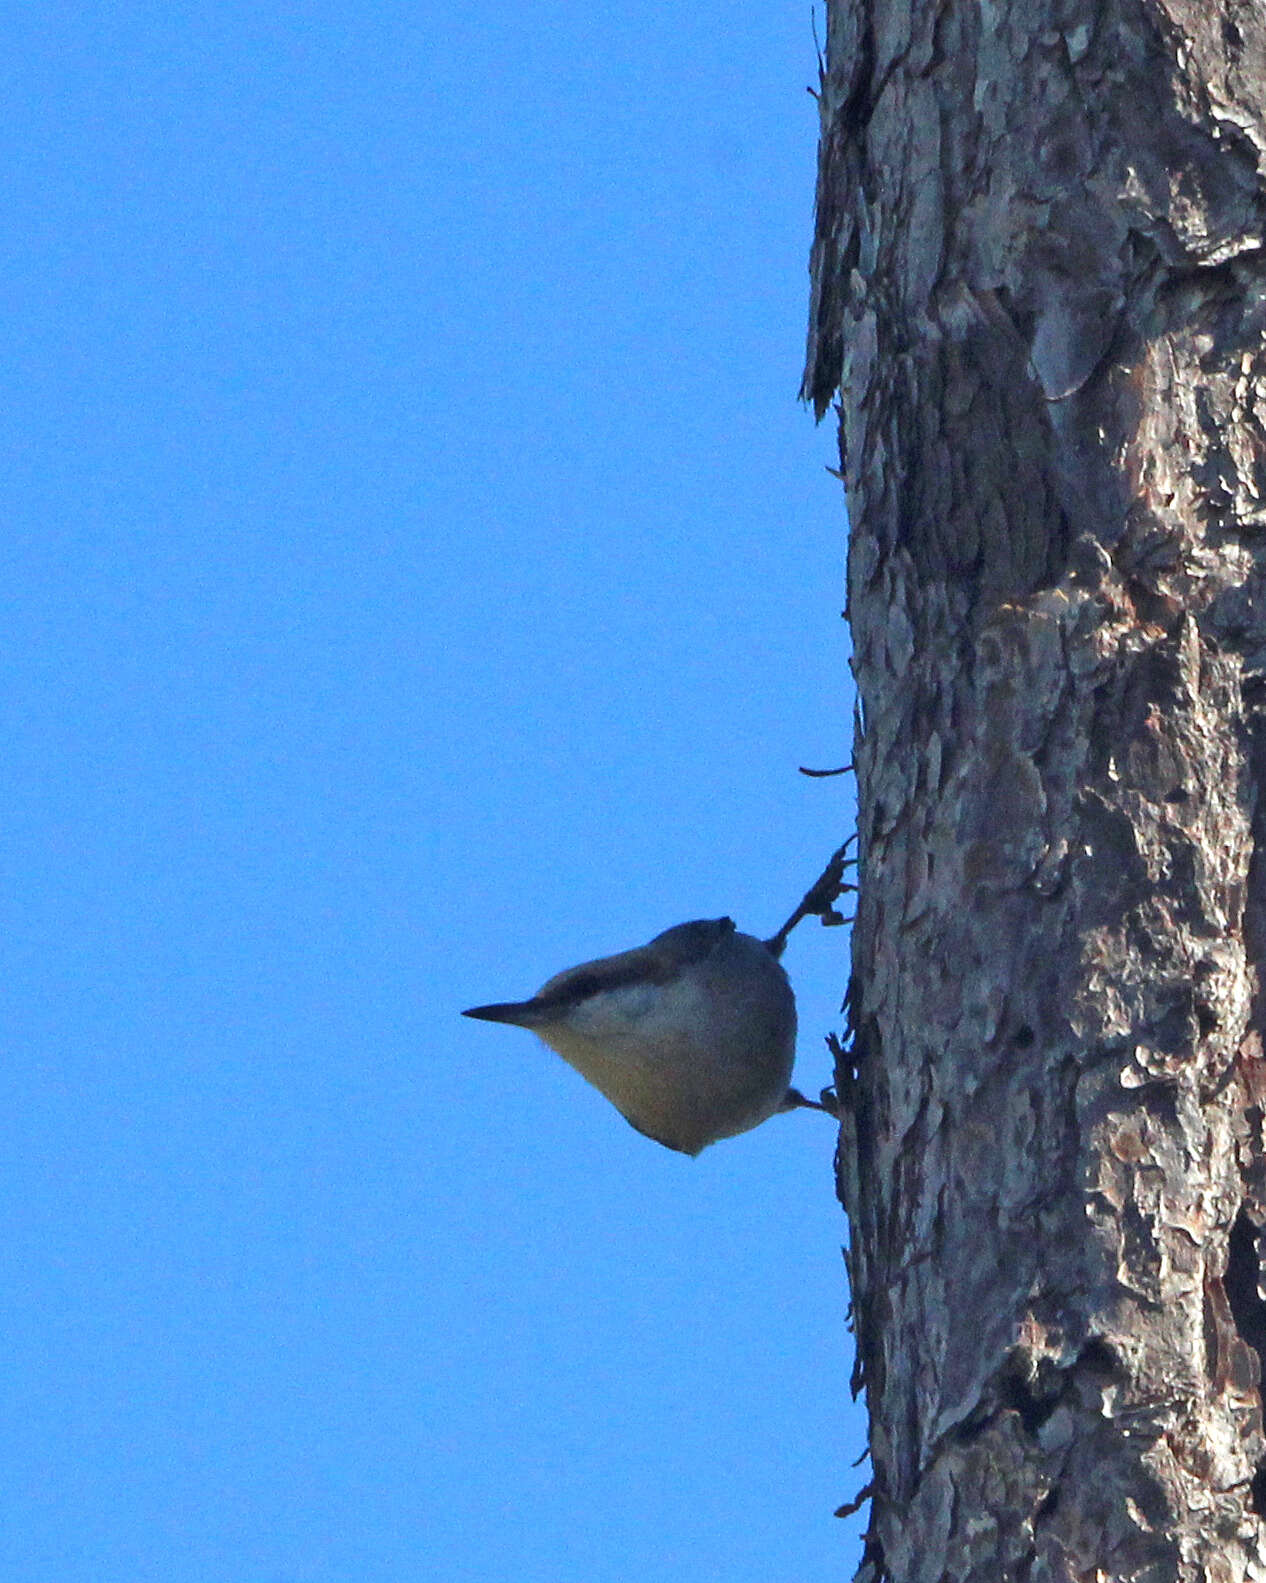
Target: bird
{"points": [[691, 1037]]}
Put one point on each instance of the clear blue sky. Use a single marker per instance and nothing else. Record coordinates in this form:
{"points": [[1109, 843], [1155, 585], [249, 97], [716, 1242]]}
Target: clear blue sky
{"points": [[418, 576]]}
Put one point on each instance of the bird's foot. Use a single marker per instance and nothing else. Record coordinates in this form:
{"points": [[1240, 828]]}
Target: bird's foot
{"points": [[828, 1103], [819, 900]]}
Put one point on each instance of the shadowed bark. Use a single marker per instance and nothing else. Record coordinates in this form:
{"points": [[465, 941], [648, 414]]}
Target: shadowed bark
{"points": [[1039, 291]]}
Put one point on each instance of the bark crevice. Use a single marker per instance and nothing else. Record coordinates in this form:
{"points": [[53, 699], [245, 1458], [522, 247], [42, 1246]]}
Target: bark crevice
{"points": [[1246, 1301]]}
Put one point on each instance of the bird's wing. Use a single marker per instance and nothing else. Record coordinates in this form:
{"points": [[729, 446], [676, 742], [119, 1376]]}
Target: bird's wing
{"points": [[660, 962]]}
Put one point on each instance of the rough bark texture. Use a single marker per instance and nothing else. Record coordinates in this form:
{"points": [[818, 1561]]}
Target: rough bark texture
{"points": [[1039, 288]]}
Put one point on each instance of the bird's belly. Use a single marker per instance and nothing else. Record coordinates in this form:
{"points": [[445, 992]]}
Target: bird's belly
{"points": [[684, 1093]]}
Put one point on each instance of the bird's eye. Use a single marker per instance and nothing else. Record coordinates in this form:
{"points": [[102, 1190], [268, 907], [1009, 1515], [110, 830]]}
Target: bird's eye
{"points": [[583, 984]]}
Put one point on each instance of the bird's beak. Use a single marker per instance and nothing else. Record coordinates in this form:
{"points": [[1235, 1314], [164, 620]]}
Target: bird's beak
{"points": [[513, 1011]]}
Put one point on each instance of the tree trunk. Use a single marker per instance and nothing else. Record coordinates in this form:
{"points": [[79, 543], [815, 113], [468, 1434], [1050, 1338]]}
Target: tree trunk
{"points": [[1038, 286]]}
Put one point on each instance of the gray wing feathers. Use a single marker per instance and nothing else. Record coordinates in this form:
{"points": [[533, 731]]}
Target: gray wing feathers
{"points": [[657, 963]]}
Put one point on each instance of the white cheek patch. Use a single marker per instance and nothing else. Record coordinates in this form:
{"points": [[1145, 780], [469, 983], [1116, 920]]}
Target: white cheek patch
{"points": [[610, 1013], [651, 1014]]}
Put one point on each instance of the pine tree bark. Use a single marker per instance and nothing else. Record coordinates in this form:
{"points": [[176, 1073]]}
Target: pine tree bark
{"points": [[1038, 287]]}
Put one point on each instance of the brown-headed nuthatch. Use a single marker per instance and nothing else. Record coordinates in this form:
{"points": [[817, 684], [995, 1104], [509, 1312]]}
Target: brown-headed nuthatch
{"points": [[691, 1037]]}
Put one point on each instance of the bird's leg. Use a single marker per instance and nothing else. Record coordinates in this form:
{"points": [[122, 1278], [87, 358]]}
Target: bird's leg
{"points": [[819, 900], [795, 1100]]}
